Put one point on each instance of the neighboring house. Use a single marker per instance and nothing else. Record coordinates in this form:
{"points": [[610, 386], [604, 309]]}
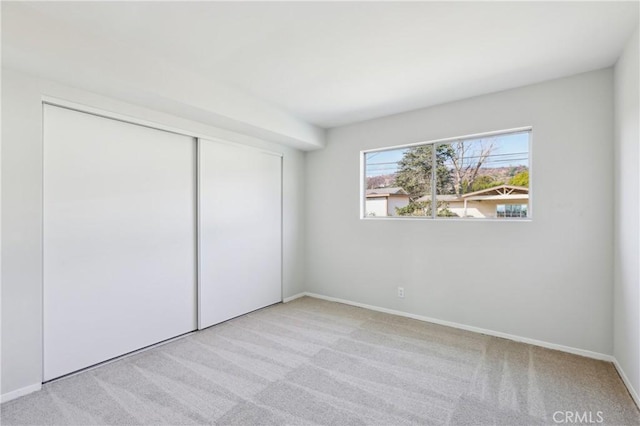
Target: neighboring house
{"points": [[384, 201], [499, 201]]}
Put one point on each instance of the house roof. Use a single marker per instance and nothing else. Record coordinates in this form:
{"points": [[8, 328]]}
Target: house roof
{"points": [[496, 193], [498, 190], [386, 192]]}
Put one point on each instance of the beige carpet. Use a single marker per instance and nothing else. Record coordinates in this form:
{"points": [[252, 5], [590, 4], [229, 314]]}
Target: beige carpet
{"points": [[317, 362]]}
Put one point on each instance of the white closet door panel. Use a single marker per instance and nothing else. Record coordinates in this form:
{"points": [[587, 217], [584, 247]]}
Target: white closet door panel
{"points": [[240, 202], [119, 238]]}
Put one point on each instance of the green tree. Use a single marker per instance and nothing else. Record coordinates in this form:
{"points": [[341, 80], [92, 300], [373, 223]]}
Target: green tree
{"points": [[423, 208], [415, 168], [520, 179], [415, 208], [484, 182]]}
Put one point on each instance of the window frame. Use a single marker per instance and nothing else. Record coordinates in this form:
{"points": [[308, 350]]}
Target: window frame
{"points": [[434, 217]]}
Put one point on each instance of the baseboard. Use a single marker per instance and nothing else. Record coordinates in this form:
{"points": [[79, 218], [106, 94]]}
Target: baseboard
{"points": [[20, 392], [627, 383], [576, 351], [294, 297]]}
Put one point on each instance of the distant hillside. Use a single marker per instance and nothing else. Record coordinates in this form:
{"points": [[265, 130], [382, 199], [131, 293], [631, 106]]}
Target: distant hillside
{"points": [[381, 181], [500, 174]]}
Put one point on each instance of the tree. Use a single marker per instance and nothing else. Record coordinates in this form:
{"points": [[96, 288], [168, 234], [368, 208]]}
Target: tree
{"points": [[467, 160], [457, 167], [520, 179], [415, 208], [423, 208], [415, 169], [484, 182]]}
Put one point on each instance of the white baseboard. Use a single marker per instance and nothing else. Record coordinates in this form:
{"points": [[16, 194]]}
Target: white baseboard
{"points": [[294, 297], [20, 392], [627, 382], [582, 352], [576, 351]]}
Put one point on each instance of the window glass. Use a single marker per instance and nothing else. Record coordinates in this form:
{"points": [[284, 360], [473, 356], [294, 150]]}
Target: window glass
{"points": [[467, 178]]}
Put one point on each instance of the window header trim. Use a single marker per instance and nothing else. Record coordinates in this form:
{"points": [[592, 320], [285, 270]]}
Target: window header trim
{"points": [[456, 138]]}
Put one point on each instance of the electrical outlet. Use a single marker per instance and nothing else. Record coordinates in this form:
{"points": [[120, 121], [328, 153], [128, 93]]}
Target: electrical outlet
{"points": [[401, 292]]}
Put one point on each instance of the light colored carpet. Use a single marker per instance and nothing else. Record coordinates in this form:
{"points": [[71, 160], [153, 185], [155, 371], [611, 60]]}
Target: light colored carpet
{"points": [[317, 362]]}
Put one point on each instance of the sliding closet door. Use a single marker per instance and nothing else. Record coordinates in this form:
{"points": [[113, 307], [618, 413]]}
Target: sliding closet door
{"points": [[119, 238], [240, 202]]}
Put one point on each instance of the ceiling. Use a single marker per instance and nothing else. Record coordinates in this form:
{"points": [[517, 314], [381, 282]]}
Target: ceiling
{"points": [[335, 63]]}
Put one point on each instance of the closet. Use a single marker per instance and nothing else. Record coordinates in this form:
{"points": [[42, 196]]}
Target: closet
{"points": [[240, 230], [149, 234]]}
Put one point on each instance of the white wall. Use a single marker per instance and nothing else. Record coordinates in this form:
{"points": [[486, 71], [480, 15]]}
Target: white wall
{"points": [[22, 213], [627, 230], [549, 279]]}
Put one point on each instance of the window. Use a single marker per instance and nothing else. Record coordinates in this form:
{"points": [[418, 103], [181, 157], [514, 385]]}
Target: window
{"points": [[511, 210], [484, 176]]}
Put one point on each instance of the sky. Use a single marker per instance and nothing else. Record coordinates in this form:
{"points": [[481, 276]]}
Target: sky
{"points": [[510, 150]]}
